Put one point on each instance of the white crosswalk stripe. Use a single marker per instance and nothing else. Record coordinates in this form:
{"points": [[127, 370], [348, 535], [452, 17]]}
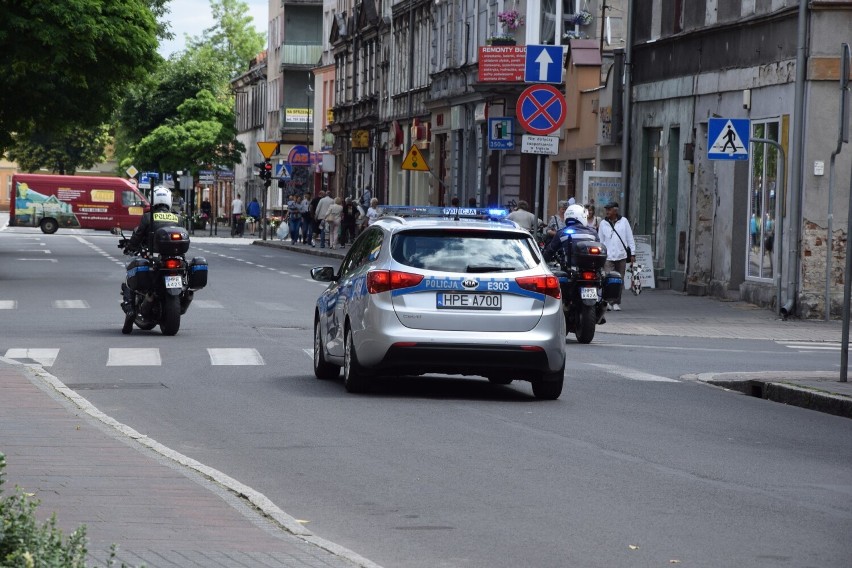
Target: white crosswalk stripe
{"points": [[811, 345], [235, 356], [133, 357], [44, 357], [72, 304], [633, 374], [8, 304]]}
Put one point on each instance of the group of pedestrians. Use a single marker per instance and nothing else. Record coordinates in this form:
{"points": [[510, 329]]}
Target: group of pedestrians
{"points": [[333, 221], [613, 231]]}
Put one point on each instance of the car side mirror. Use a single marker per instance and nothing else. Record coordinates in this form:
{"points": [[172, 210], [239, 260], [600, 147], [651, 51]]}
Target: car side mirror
{"points": [[115, 230], [323, 273]]}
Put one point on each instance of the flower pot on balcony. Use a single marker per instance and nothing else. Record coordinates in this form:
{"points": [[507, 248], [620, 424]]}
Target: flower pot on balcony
{"points": [[500, 41]]}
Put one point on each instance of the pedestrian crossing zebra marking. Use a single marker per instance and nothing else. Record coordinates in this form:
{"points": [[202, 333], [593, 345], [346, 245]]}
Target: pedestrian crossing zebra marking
{"points": [[633, 374], [8, 305], [803, 346], [235, 356], [134, 357], [70, 304], [43, 357], [207, 304]]}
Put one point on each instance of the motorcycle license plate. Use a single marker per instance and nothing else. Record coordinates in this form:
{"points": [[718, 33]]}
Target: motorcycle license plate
{"points": [[588, 293], [173, 282]]}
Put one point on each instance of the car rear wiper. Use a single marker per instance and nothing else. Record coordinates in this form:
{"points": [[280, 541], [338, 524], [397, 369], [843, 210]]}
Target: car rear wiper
{"points": [[488, 268]]}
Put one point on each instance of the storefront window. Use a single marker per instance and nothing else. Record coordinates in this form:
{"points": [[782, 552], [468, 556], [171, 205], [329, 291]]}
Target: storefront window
{"points": [[764, 185]]}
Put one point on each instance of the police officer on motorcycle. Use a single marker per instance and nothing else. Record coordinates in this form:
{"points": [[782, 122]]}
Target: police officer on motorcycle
{"points": [[159, 216], [575, 224]]}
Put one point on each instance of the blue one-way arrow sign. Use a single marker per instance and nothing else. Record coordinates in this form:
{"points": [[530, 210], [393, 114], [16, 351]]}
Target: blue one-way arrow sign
{"points": [[543, 64]]}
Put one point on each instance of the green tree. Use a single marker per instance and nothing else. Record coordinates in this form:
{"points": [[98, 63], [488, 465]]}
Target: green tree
{"points": [[202, 135], [233, 36], [69, 63], [60, 152]]}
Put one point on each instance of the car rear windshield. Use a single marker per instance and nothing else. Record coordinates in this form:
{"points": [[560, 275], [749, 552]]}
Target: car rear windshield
{"points": [[465, 251]]}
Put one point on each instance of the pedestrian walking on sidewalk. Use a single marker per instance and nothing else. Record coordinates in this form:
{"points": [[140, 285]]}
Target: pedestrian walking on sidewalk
{"points": [[322, 210], [615, 233], [307, 220], [332, 221], [238, 210]]}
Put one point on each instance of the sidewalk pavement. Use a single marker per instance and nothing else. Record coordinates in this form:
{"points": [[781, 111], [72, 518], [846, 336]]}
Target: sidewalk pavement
{"points": [[163, 509]]}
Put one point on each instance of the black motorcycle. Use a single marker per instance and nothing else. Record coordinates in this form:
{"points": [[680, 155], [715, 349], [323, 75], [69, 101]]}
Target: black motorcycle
{"points": [[162, 282], [586, 289]]}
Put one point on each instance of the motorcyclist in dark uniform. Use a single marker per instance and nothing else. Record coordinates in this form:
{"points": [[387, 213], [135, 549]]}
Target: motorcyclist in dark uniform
{"points": [[575, 226], [159, 216]]}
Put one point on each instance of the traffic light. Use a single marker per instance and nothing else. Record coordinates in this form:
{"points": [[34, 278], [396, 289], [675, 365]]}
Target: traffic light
{"points": [[264, 171]]}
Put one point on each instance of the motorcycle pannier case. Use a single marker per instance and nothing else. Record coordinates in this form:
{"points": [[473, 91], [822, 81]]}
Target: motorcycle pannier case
{"points": [[613, 285], [171, 241], [140, 275], [588, 254], [197, 278]]}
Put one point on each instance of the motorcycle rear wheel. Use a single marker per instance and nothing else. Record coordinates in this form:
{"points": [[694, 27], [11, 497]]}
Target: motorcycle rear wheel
{"points": [[170, 322], [586, 320]]}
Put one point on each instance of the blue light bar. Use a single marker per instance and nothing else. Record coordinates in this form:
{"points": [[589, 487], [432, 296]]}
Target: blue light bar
{"points": [[436, 211]]}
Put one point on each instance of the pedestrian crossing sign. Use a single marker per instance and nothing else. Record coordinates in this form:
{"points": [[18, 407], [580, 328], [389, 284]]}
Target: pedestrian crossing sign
{"points": [[728, 138], [414, 160]]}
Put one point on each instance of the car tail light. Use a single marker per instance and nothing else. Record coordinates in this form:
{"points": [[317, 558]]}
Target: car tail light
{"points": [[588, 275], [548, 285], [383, 280], [172, 263]]}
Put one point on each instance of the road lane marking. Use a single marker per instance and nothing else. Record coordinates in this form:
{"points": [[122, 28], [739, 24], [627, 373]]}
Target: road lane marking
{"points": [[70, 304], [8, 304], [44, 357], [633, 374], [133, 357], [235, 356]]}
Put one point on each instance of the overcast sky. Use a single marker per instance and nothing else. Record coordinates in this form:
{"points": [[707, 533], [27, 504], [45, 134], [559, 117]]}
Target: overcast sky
{"points": [[191, 17]]}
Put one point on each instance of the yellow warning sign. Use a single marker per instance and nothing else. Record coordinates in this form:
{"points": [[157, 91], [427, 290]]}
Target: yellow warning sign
{"points": [[267, 148], [414, 160]]}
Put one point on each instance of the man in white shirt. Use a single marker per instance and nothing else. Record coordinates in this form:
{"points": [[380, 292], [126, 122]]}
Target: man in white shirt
{"points": [[237, 211], [616, 234], [322, 210]]}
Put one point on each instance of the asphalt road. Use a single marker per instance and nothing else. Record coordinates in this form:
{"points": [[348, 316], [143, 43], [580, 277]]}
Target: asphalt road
{"points": [[633, 466]]}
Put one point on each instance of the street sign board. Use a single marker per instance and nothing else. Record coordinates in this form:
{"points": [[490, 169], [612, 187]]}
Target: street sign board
{"points": [[267, 148], [131, 171], [501, 64], [501, 133], [543, 64], [728, 138], [531, 144], [282, 171], [541, 109], [299, 156], [415, 161]]}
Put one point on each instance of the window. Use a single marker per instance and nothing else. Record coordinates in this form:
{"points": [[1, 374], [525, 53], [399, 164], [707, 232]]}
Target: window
{"points": [[463, 251], [764, 184]]}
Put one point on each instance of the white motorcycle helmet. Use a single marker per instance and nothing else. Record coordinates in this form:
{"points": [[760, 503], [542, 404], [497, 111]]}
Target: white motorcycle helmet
{"points": [[576, 212], [162, 196]]}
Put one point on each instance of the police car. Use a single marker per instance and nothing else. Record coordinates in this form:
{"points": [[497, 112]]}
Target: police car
{"points": [[432, 290]]}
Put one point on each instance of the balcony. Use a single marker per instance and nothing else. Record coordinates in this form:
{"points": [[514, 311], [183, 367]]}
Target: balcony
{"points": [[295, 55]]}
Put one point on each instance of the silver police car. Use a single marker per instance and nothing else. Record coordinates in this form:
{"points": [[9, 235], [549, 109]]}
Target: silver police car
{"points": [[441, 290]]}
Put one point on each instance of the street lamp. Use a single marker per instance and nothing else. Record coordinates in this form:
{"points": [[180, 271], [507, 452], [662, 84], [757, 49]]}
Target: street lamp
{"points": [[309, 122]]}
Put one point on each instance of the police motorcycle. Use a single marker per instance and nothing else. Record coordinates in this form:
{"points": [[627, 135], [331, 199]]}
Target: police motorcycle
{"points": [[160, 283], [586, 289]]}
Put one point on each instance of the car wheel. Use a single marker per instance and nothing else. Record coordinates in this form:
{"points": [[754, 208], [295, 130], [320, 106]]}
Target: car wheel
{"points": [[549, 385], [49, 226], [353, 375], [322, 369]]}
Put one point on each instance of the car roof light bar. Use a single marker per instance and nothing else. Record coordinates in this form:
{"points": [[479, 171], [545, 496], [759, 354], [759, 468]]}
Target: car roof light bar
{"points": [[444, 212]]}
